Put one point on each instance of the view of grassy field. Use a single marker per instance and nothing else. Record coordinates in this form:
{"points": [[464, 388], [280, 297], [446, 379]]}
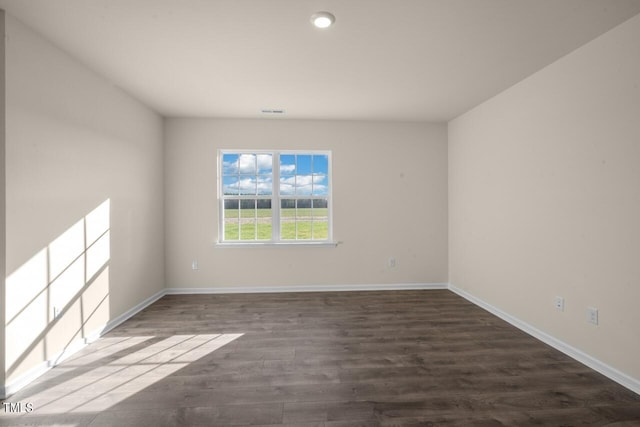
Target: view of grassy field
{"points": [[247, 231], [296, 224]]}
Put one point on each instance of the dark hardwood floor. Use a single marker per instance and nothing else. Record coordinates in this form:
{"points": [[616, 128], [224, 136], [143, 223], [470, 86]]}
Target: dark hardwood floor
{"points": [[401, 358]]}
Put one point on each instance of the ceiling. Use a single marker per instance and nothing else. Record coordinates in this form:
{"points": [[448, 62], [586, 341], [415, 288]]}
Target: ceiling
{"points": [[409, 60]]}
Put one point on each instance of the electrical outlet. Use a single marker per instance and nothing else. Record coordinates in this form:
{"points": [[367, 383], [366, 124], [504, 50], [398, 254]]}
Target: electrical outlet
{"points": [[194, 264], [592, 315], [558, 303], [392, 263]]}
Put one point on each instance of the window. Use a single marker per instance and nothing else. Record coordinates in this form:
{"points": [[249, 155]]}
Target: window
{"points": [[275, 196]]}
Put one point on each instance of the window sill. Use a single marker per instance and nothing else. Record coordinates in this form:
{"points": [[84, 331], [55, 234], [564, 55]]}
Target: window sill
{"points": [[274, 244]]}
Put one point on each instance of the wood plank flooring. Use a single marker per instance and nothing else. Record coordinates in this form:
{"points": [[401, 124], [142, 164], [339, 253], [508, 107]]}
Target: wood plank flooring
{"points": [[401, 358]]}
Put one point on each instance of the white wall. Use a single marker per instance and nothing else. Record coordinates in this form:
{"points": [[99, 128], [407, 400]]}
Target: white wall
{"points": [[74, 142], [389, 196], [544, 198]]}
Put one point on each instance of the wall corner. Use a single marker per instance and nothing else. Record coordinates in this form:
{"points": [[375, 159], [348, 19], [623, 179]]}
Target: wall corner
{"points": [[3, 222]]}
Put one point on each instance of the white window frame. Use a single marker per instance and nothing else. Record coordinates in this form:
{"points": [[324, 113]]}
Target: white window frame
{"points": [[276, 200]]}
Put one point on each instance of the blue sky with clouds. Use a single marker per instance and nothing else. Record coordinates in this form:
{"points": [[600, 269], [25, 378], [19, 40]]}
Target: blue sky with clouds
{"points": [[300, 174]]}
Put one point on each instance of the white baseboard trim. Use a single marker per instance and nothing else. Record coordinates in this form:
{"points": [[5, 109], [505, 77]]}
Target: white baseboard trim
{"points": [[57, 358], [133, 311], [73, 347], [621, 378], [310, 288]]}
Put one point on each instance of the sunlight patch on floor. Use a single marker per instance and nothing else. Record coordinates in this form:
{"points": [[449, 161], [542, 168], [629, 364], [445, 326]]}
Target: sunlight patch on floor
{"points": [[78, 390]]}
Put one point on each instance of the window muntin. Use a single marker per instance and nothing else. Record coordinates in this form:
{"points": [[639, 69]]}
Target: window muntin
{"points": [[275, 196]]}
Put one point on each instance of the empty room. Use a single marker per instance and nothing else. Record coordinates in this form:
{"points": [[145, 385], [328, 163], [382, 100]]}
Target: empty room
{"points": [[320, 213]]}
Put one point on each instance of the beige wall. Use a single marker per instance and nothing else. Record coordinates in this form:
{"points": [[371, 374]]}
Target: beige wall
{"points": [[74, 143], [544, 198], [389, 195]]}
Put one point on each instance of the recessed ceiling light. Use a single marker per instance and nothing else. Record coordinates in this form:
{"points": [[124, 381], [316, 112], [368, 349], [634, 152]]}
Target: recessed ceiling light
{"points": [[322, 19]]}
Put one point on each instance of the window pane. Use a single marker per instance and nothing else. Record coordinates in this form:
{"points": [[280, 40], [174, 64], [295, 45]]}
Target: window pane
{"points": [[248, 229], [247, 164], [247, 219], [304, 206], [264, 230], [320, 230], [287, 164], [231, 208], [265, 163], [287, 219], [287, 185], [264, 206], [303, 164], [231, 220], [265, 185], [303, 230], [263, 219], [320, 216], [321, 164], [287, 229], [320, 207], [230, 185], [231, 230], [304, 184], [229, 164], [247, 184], [288, 207], [320, 185], [247, 208], [303, 219]]}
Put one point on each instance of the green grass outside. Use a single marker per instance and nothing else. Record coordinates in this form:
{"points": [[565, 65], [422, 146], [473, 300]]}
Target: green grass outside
{"points": [[318, 230], [247, 213], [306, 230], [246, 231], [304, 212], [235, 229]]}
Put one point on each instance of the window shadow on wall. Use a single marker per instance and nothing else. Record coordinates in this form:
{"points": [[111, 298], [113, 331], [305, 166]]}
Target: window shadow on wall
{"points": [[60, 297]]}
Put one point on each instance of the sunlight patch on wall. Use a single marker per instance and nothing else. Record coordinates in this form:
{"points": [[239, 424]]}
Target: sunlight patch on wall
{"points": [[60, 295]]}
